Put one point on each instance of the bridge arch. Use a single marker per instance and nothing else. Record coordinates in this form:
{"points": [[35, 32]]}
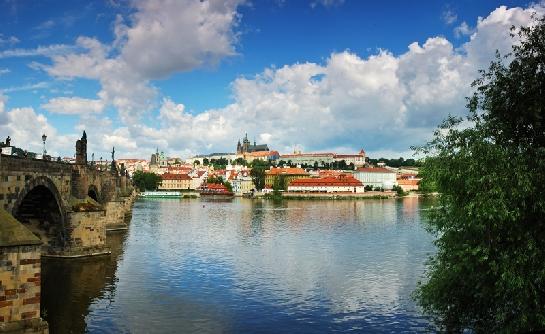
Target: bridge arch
{"points": [[94, 193], [39, 206]]}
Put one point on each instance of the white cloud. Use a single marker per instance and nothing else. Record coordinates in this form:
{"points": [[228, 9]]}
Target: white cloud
{"points": [[35, 86], [493, 33], [327, 3], [383, 103], [162, 37], [463, 30], [168, 36], [46, 51], [8, 40], [448, 16], [4, 71], [73, 106], [25, 127]]}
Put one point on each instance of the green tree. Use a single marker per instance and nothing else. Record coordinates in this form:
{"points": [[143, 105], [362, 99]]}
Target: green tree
{"points": [[241, 161], [228, 185], [146, 181], [488, 274], [258, 173], [205, 162]]}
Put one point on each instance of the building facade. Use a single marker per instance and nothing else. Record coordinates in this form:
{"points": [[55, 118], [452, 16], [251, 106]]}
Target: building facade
{"points": [[340, 184], [310, 159], [175, 182], [289, 174], [376, 177]]}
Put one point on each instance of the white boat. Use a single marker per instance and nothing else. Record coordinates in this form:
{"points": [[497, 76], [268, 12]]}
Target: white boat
{"points": [[162, 194]]}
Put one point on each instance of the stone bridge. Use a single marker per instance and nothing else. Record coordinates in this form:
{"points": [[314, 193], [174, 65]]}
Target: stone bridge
{"points": [[55, 209], [68, 206]]}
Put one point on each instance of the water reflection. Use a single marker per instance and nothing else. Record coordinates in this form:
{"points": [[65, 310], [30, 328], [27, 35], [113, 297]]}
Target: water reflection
{"points": [[249, 266]]}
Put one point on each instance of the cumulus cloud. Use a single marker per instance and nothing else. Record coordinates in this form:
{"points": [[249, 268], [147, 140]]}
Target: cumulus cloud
{"points": [[162, 37], [463, 30], [25, 127], [383, 103], [168, 36], [73, 106]]}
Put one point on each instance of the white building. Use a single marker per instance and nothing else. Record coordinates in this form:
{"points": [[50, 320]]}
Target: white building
{"points": [[340, 184], [310, 159], [376, 177]]}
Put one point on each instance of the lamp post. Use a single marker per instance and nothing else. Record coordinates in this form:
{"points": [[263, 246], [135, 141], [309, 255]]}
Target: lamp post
{"points": [[44, 137]]}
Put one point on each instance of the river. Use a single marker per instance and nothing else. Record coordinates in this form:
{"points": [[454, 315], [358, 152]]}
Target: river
{"points": [[248, 266]]}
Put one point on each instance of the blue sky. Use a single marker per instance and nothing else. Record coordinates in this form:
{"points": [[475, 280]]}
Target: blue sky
{"points": [[191, 76]]}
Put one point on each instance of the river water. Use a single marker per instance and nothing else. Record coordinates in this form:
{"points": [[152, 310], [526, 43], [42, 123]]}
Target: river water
{"points": [[248, 266]]}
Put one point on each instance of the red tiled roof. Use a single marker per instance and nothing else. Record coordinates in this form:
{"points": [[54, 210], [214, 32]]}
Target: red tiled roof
{"points": [[406, 182], [169, 176], [374, 170], [263, 153], [286, 171], [330, 181]]}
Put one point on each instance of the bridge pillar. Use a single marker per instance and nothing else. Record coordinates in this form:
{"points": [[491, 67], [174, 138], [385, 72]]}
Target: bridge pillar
{"points": [[115, 215], [20, 270], [87, 235]]}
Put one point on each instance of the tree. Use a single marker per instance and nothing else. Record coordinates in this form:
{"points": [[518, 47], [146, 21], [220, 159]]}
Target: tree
{"points": [[205, 162], [258, 177], [488, 274], [241, 161], [146, 181]]}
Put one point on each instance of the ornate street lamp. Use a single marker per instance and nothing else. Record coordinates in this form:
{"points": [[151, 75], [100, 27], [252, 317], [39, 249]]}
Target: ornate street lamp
{"points": [[44, 137]]}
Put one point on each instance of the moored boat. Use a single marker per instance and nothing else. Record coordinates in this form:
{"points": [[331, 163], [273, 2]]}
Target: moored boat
{"points": [[161, 194], [215, 191]]}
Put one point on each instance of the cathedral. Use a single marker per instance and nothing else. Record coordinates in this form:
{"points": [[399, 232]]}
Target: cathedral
{"points": [[247, 147]]}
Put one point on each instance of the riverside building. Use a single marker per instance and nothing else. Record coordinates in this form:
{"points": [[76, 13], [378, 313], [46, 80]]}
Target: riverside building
{"points": [[330, 184], [376, 177]]}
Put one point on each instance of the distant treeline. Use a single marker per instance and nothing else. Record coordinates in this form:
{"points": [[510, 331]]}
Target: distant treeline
{"points": [[400, 162]]}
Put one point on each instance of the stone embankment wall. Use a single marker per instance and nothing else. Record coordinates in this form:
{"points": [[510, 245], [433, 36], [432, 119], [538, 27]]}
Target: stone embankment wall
{"points": [[20, 278]]}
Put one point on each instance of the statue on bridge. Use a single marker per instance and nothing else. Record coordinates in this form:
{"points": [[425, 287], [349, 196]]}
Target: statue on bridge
{"points": [[113, 167], [81, 150], [8, 142]]}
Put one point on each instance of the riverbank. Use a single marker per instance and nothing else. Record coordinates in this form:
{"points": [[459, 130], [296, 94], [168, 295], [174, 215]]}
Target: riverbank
{"points": [[340, 196]]}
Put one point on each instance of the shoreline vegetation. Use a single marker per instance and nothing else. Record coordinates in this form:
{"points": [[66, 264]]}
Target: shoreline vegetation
{"points": [[326, 196]]}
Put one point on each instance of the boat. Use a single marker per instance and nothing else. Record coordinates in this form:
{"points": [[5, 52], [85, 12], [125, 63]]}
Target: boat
{"points": [[161, 194], [215, 191]]}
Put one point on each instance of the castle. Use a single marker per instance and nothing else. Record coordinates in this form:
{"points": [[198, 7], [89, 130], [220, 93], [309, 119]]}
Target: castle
{"points": [[246, 147]]}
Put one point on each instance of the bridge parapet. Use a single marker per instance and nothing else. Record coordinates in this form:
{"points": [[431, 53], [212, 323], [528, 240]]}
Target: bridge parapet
{"points": [[66, 205]]}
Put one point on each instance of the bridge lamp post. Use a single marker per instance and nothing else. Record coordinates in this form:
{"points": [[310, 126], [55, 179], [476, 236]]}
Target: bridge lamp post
{"points": [[44, 137]]}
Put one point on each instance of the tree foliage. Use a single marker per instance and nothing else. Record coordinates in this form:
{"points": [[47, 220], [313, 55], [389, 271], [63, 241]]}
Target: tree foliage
{"points": [[146, 181], [489, 271], [258, 174]]}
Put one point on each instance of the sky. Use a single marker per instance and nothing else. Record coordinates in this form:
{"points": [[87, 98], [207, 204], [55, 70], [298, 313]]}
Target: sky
{"points": [[193, 76]]}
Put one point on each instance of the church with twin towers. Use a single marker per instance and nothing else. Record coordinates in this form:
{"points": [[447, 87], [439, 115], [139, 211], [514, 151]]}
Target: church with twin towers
{"points": [[247, 147]]}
